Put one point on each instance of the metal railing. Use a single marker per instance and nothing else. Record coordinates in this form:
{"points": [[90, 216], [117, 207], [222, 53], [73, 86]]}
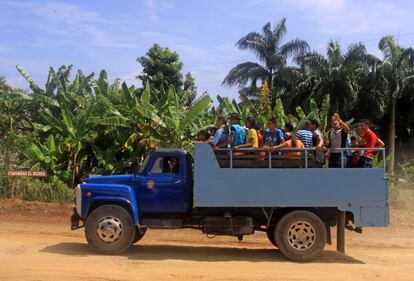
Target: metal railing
{"points": [[305, 152]]}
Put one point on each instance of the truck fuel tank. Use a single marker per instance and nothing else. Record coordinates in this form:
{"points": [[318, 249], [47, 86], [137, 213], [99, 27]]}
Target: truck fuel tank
{"points": [[228, 225]]}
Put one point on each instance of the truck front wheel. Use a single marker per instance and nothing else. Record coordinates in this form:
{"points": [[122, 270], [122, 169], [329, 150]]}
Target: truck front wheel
{"points": [[301, 236], [109, 229]]}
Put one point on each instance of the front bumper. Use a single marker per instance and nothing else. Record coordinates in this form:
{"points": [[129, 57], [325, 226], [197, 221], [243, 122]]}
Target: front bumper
{"points": [[75, 220]]}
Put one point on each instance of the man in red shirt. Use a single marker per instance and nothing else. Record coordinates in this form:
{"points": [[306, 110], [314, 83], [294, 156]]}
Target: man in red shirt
{"points": [[368, 140]]}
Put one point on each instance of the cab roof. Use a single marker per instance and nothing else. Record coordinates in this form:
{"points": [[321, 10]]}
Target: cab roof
{"points": [[170, 150]]}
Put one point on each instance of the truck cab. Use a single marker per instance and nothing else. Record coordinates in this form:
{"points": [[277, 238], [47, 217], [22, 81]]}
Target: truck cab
{"points": [[233, 193], [164, 183]]}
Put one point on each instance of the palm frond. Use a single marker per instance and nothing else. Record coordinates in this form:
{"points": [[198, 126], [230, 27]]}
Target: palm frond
{"points": [[294, 47], [255, 42], [244, 72]]}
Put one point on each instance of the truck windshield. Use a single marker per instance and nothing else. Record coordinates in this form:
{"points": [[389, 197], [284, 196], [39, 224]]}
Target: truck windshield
{"points": [[144, 164]]}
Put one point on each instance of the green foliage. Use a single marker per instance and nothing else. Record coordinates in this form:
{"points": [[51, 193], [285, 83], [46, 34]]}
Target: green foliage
{"points": [[338, 74], [406, 171], [50, 190], [378, 162], [4, 87], [79, 124], [161, 68], [53, 190], [88, 125], [189, 88]]}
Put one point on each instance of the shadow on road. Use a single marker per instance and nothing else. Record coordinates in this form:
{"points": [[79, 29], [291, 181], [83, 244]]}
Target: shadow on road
{"points": [[196, 253]]}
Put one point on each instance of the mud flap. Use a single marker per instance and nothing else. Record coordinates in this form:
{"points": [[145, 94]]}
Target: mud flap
{"points": [[75, 220], [328, 234]]}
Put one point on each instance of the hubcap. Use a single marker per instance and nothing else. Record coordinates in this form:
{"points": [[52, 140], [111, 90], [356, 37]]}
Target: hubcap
{"points": [[301, 235], [109, 229]]}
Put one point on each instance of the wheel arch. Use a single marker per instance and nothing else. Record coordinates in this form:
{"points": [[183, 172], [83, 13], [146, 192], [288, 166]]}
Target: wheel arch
{"points": [[96, 195], [327, 214], [124, 203]]}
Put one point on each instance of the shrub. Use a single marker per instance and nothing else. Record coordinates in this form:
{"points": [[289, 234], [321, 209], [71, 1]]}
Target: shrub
{"points": [[52, 190]]}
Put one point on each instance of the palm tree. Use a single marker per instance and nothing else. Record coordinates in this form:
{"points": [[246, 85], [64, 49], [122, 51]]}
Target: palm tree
{"points": [[273, 56], [397, 70], [338, 74]]}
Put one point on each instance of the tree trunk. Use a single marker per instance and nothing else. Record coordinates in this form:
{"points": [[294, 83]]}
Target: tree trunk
{"points": [[391, 136], [270, 87], [74, 159], [337, 106]]}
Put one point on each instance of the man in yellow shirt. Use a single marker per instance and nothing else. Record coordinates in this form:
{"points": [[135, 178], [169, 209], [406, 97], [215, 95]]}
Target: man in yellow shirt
{"points": [[252, 139]]}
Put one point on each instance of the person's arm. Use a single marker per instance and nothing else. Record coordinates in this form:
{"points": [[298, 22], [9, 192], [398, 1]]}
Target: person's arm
{"points": [[246, 145], [379, 143], [319, 142], [282, 145], [249, 143], [343, 125], [280, 136], [216, 138], [328, 140], [226, 143]]}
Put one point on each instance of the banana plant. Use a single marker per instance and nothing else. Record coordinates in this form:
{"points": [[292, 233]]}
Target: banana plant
{"points": [[319, 114], [44, 156], [180, 120]]}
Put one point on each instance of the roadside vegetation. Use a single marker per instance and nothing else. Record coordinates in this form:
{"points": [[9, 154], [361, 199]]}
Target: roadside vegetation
{"points": [[80, 124]]}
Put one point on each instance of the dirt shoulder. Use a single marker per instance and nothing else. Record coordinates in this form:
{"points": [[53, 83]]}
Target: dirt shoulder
{"points": [[36, 244], [34, 211]]}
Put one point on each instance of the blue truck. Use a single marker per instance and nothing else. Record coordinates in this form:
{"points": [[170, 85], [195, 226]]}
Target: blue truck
{"points": [[226, 192]]}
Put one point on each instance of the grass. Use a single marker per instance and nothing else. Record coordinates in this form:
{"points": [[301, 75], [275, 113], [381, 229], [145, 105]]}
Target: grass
{"points": [[52, 190], [403, 193]]}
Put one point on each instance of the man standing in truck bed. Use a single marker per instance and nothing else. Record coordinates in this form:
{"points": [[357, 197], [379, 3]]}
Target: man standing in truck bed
{"points": [[368, 140], [337, 138]]}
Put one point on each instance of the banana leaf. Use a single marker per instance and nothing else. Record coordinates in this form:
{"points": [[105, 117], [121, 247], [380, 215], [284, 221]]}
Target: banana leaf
{"points": [[197, 109]]}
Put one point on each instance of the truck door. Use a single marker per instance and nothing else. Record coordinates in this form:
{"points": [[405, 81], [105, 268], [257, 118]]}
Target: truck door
{"points": [[163, 186]]}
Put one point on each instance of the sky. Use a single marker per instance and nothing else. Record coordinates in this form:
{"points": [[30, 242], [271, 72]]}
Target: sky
{"points": [[95, 35]]}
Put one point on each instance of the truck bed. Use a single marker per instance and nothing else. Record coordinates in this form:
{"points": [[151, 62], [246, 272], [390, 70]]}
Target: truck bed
{"points": [[363, 192]]}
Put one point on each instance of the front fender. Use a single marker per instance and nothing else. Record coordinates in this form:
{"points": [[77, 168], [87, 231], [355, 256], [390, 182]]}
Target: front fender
{"points": [[109, 194]]}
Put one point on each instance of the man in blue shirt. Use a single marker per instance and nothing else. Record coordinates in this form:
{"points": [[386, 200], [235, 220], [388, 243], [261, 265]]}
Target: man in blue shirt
{"points": [[272, 136], [221, 136]]}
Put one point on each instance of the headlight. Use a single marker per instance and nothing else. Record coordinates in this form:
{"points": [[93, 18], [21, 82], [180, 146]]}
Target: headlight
{"points": [[78, 194]]}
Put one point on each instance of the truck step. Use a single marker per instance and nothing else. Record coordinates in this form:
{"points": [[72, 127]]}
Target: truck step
{"points": [[163, 223]]}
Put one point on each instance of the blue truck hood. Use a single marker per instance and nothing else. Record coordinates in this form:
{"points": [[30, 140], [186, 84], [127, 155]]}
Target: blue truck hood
{"points": [[116, 179]]}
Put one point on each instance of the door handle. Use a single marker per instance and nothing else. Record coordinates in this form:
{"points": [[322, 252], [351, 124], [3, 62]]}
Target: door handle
{"points": [[178, 181]]}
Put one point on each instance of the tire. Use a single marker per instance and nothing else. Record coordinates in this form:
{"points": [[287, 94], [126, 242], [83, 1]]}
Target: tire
{"points": [[109, 230], [270, 232], [301, 236], [139, 233]]}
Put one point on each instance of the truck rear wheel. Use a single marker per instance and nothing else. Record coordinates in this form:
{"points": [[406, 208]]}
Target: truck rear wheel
{"points": [[139, 233], [109, 229], [301, 236]]}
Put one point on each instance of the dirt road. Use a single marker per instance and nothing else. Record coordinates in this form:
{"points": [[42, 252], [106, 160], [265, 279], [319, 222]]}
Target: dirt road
{"points": [[35, 244]]}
